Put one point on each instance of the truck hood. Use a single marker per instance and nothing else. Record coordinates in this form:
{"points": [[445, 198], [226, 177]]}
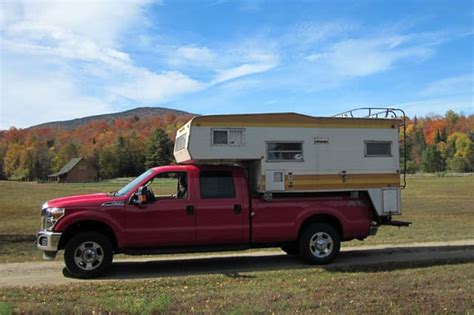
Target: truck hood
{"points": [[88, 200]]}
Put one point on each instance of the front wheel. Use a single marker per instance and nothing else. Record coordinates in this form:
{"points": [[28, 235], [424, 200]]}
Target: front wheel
{"points": [[88, 255], [319, 243]]}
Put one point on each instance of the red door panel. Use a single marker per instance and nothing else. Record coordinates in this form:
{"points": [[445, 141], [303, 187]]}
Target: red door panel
{"points": [[222, 220], [166, 222]]}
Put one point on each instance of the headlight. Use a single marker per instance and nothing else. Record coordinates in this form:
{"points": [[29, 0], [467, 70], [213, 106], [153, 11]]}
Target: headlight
{"points": [[51, 216]]}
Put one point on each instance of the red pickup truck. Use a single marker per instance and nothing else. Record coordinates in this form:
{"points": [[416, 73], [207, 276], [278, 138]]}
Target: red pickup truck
{"points": [[191, 208]]}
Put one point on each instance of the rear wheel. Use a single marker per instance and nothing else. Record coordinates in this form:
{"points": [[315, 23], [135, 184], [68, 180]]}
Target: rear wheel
{"points": [[88, 255], [319, 243]]}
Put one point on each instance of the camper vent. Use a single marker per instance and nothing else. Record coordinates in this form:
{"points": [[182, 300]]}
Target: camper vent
{"points": [[321, 140]]}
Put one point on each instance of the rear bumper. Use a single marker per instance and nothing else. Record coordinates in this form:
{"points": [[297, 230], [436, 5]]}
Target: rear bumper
{"points": [[48, 241]]}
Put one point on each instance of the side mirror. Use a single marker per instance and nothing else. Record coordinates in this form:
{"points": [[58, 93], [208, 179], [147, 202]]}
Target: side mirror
{"points": [[139, 197]]}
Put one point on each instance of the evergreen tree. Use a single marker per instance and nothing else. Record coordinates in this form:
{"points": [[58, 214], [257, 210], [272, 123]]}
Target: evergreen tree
{"points": [[159, 150], [437, 136], [130, 156], [431, 160], [444, 134], [456, 164], [108, 162]]}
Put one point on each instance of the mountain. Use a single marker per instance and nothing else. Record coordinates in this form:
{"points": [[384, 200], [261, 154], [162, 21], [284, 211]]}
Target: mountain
{"points": [[140, 112]]}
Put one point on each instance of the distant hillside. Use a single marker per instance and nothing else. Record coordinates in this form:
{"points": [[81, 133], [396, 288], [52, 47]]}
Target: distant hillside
{"points": [[141, 112]]}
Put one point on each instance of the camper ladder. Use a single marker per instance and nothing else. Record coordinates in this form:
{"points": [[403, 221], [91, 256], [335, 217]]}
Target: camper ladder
{"points": [[383, 112]]}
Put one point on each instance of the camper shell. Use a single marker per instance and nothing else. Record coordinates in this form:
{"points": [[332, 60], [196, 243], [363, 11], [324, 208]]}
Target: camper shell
{"points": [[295, 153]]}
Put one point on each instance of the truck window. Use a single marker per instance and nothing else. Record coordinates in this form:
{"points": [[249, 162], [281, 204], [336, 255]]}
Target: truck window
{"points": [[170, 185], [285, 151], [216, 184], [378, 148]]}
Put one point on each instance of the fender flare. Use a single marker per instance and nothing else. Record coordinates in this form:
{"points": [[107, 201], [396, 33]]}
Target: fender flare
{"points": [[307, 214], [88, 215]]}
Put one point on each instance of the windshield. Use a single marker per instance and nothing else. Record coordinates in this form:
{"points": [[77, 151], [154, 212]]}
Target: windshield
{"points": [[126, 189]]}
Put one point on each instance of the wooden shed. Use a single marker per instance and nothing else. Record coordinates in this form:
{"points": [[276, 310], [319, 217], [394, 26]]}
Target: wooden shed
{"points": [[77, 170]]}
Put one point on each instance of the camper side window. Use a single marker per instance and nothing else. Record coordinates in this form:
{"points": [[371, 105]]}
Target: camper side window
{"points": [[229, 136], [378, 148], [180, 143], [285, 151]]}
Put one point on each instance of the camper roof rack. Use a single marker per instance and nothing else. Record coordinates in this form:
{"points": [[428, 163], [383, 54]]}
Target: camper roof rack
{"points": [[387, 113], [373, 112]]}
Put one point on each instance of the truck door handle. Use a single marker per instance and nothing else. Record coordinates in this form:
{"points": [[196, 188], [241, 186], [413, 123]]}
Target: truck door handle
{"points": [[237, 209], [190, 210]]}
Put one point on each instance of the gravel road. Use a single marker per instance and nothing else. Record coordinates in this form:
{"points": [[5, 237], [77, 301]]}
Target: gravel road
{"points": [[385, 257]]}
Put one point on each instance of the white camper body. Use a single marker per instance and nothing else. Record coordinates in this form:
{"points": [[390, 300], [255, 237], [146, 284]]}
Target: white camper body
{"points": [[288, 152]]}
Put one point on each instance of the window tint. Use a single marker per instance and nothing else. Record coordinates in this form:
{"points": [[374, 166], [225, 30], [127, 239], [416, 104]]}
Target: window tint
{"points": [[285, 151], [378, 148], [216, 184]]}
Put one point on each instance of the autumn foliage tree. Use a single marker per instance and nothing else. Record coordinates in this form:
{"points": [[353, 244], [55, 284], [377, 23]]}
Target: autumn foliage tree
{"points": [[127, 146]]}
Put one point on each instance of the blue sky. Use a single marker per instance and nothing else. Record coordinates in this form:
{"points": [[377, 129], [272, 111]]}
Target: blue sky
{"points": [[67, 59]]}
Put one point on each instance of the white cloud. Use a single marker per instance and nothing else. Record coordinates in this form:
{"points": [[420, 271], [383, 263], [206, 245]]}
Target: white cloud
{"points": [[259, 62], [40, 98], [148, 87], [68, 45], [438, 106], [362, 57], [240, 71], [310, 33], [193, 55], [100, 21], [450, 86]]}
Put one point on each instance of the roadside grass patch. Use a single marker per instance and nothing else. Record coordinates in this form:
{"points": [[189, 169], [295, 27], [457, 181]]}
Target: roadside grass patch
{"points": [[5, 308], [135, 304], [425, 290]]}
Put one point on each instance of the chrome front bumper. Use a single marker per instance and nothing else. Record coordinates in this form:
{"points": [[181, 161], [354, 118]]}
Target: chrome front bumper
{"points": [[48, 241]]}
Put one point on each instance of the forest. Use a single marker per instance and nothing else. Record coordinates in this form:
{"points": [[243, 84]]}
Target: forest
{"points": [[125, 147]]}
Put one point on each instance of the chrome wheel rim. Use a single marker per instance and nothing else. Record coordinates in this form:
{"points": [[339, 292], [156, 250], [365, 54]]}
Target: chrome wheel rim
{"points": [[321, 245], [88, 255]]}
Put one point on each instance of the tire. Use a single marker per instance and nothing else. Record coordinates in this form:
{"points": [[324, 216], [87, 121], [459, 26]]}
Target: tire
{"points": [[290, 248], [319, 243], [88, 255]]}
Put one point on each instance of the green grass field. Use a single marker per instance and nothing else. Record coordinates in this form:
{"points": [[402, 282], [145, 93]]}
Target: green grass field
{"points": [[441, 209], [415, 290]]}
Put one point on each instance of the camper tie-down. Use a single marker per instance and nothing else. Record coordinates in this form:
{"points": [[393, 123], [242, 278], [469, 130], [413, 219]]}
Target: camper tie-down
{"points": [[301, 183]]}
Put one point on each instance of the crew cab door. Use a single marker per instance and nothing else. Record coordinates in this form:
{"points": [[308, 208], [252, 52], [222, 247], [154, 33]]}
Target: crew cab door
{"points": [[169, 220], [221, 208]]}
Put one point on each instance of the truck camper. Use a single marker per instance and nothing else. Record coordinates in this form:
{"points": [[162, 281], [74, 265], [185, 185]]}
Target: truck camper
{"points": [[301, 183], [295, 153]]}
